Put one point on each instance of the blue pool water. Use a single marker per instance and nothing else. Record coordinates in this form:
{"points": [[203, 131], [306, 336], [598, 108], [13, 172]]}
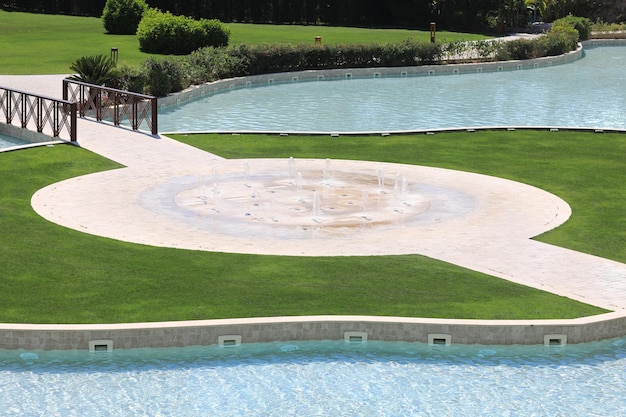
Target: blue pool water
{"points": [[587, 93], [9, 141], [319, 378]]}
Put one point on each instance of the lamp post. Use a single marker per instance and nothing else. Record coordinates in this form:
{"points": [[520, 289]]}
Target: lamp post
{"points": [[114, 52]]}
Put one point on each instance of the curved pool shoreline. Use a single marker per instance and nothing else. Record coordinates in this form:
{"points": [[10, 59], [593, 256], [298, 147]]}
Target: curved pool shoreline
{"points": [[219, 86], [518, 94]]}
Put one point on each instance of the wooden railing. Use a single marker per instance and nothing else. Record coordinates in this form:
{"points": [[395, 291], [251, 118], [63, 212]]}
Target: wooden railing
{"points": [[46, 115], [119, 107]]}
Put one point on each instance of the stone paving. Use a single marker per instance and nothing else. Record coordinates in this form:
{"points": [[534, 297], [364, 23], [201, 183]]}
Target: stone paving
{"points": [[491, 233]]}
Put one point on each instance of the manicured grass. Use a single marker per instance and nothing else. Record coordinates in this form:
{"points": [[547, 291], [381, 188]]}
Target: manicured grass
{"points": [[585, 169], [48, 44], [259, 34], [55, 275]]}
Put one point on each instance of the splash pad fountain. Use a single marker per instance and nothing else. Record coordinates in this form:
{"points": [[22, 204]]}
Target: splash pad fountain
{"points": [[299, 199], [301, 207]]}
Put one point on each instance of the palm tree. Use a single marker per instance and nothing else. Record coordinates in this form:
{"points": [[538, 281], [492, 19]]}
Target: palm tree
{"points": [[95, 69]]}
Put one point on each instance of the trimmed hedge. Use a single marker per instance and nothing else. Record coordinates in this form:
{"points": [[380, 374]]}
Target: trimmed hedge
{"points": [[556, 42], [165, 33], [265, 59], [581, 24], [164, 76], [121, 17], [209, 64]]}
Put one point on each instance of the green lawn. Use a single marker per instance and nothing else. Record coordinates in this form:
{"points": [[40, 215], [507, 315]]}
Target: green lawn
{"points": [[258, 34], [48, 44], [56, 275]]}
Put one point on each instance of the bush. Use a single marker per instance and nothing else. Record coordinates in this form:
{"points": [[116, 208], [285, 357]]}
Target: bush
{"points": [[210, 64], [165, 33], [263, 59], [123, 16], [428, 53], [560, 39], [522, 49], [131, 79], [600, 26], [487, 49], [216, 34], [164, 76], [581, 24]]}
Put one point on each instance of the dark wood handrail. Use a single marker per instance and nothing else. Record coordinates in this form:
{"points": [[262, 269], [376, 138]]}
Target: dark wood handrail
{"points": [[105, 103], [44, 111]]}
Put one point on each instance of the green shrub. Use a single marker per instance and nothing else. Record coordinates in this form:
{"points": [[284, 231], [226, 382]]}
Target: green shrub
{"points": [[263, 59], [165, 33], [502, 52], [164, 76], [210, 64], [561, 39], [601, 26], [428, 52], [215, 33], [487, 49], [523, 49], [452, 50], [123, 16], [131, 79], [581, 24], [274, 58], [317, 57]]}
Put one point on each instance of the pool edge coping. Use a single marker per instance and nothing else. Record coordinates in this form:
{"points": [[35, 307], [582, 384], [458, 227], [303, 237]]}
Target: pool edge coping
{"points": [[227, 84], [309, 328]]}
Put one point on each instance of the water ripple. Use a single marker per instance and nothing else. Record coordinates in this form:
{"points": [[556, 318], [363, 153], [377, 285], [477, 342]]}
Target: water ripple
{"points": [[585, 93]]}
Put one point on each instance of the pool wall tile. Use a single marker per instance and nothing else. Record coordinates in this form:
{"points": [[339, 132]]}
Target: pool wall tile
{"points": [[207, 332], [26, 134], [337, 74]]}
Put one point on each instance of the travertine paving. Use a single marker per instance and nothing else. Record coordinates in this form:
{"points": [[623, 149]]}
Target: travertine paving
{"points": [[169, 195]]}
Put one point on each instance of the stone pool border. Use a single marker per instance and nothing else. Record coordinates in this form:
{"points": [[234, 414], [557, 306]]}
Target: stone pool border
{"points": [[304, 328], [34, 139], [349, 73]]}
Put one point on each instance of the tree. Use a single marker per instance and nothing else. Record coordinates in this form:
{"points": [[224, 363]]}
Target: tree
{"points": [[95, 69]]}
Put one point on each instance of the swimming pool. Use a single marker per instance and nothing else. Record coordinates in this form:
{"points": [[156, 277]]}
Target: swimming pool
{"points": [[10, 141], [584, 93], [319, 378]]}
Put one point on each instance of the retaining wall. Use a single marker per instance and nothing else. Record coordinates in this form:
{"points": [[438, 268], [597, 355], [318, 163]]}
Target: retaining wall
{"points": [[209, 332]]}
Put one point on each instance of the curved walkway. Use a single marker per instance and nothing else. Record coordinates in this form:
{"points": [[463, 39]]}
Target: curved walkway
{"points": [[493, 236]]}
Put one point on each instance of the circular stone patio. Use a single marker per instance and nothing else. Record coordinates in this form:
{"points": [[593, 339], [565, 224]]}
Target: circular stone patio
{"points": [[300, 207]]}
